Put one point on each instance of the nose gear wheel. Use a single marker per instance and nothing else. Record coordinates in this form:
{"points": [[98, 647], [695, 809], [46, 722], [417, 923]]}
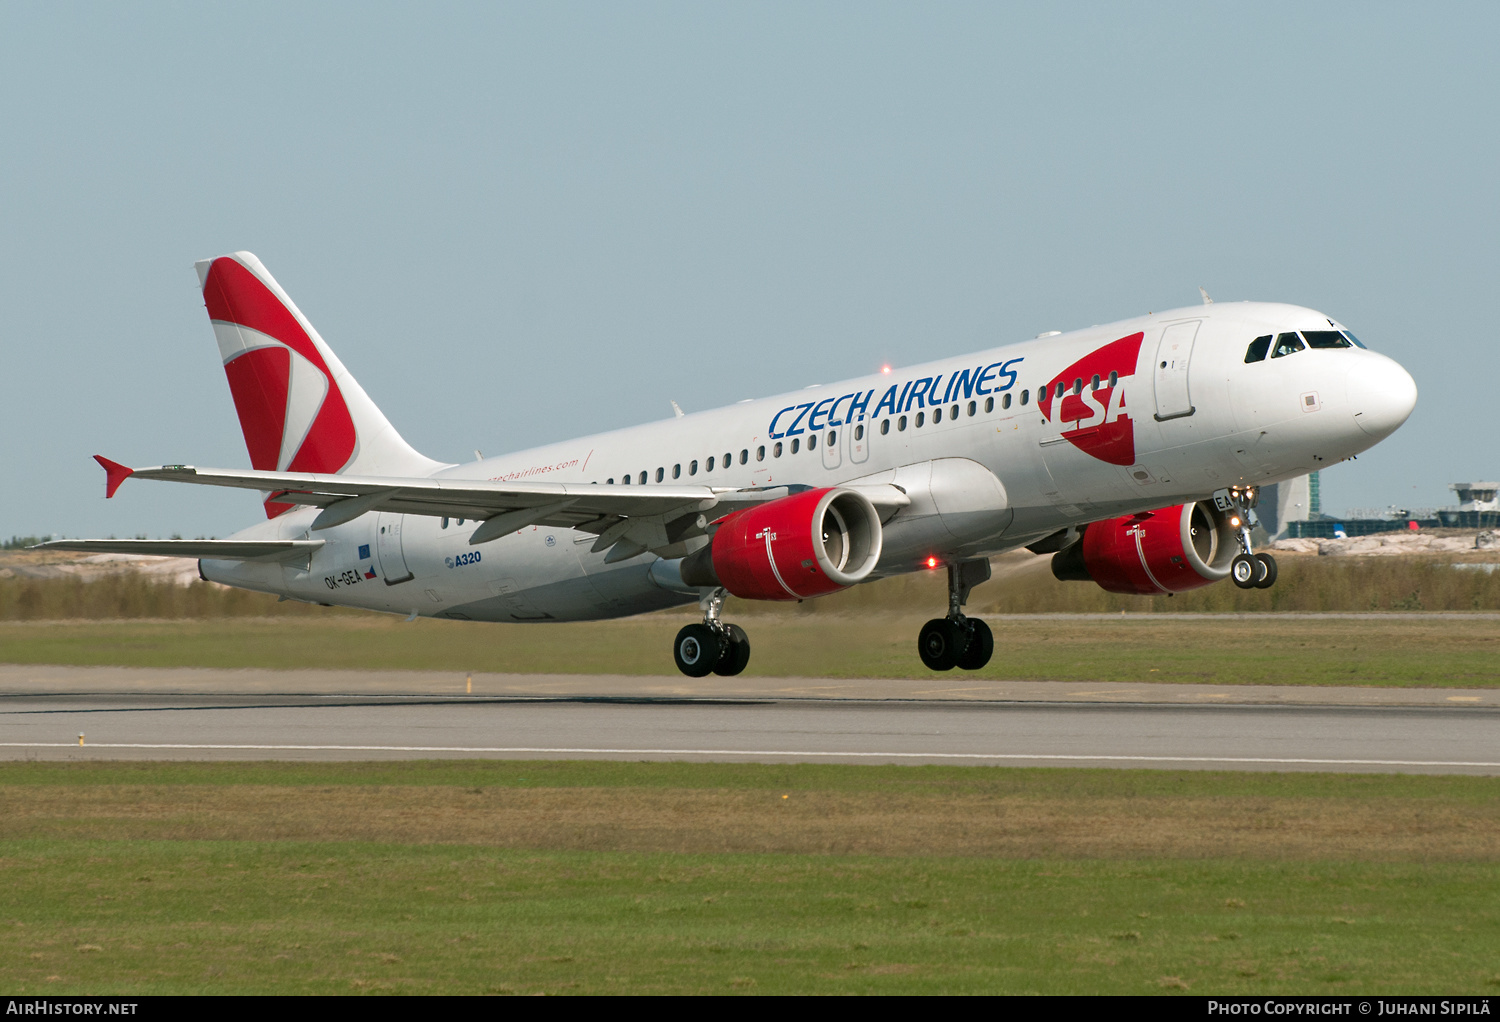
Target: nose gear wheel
{"points": [[1248, 570]]}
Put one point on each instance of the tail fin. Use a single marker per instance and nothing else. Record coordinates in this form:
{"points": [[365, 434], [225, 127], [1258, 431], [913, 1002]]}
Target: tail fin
{"points": [[299, 408]]}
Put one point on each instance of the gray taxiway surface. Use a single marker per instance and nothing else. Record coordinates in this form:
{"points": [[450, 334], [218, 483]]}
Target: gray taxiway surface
{"points": [[248, 715]]}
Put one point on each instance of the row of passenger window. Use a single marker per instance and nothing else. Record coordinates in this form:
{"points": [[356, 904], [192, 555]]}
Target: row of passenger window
{"points": [[777, 450], [1291, 343], [954, 412], [1062, 387]]}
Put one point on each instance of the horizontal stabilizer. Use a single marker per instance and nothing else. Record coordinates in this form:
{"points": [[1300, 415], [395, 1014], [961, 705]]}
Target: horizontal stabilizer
{"points": [[206, 549]]}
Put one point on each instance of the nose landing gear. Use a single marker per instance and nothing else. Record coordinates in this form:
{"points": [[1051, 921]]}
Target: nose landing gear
{"points": [[712, 647], [1249, 570], [956, 640]]}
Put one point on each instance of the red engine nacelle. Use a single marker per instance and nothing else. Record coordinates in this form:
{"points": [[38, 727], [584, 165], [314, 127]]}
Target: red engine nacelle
{"points": [[803, 545], [1167, 551]]}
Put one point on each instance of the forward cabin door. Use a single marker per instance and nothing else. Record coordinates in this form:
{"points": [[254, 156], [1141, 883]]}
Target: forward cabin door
{"points": [[1173, 354], [388, 547]]}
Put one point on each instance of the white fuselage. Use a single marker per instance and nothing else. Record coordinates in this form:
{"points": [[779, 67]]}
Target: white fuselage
{"points": [[997, 470]]}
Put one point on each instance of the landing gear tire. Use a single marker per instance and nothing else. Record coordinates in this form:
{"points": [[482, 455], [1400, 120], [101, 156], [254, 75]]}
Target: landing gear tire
{"points": [[981, 646], [940, 644], [1268, 571], [698, 650], [1246, 571], [736, 652]]}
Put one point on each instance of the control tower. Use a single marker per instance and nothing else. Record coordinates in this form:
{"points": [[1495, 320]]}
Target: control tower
{"points": [[1477, 496]]}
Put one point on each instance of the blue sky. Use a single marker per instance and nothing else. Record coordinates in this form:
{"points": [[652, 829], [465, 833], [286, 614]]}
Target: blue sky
{"points": [[517, 223]]}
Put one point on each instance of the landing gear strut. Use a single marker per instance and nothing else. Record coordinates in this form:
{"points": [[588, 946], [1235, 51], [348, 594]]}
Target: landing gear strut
{"points": [[1249, 570], [712, 647], [958, 641]]}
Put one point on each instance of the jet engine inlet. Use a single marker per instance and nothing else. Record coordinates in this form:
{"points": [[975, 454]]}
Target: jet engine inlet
{"points": [[1170, 550], [804, 545]]}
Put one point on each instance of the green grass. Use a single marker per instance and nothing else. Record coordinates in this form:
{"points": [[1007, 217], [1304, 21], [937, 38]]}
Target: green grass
{"points": [[1456, 791], [1424, 651], [251, 917], [585, 912]]}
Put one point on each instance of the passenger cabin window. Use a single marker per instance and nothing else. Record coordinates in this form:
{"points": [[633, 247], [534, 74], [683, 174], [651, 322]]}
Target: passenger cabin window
{"points": [[885, 426], [921, 417], [776, 450], [710, 466], [859, 433], [1326, 339], [1114, 378], [1257, 350], [1286, 344], [972, 409], [745, 456], [833, 437], [901, 424], [796, 444], [937, 415], [760, 453], [1025, 396], [676, 471], [693, 467], [728, 459], [953, 412]]}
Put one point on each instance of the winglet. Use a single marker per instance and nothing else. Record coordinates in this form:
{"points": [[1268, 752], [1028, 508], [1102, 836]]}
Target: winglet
{"points": [[114, 474]]}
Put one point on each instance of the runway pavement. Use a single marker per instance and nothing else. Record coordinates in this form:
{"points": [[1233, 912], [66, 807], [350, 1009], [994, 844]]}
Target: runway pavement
{"points": [[240, 715]]}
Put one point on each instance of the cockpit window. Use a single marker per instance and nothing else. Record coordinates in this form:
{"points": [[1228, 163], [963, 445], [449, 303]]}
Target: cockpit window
{"points": [[1258, 348], [1287, 344], [1325, 339], [1357, 342]]}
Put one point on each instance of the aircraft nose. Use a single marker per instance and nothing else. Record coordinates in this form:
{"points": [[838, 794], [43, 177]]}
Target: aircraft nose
{"points": [[1381, 395]]}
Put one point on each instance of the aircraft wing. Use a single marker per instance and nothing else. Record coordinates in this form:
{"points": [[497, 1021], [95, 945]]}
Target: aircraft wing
{"points": [[210, 549], [628, 520]]}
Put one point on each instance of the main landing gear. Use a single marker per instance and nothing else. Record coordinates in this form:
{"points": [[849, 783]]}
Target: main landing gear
{"points": [[1249, 570], [712, 647], [958, 641]]}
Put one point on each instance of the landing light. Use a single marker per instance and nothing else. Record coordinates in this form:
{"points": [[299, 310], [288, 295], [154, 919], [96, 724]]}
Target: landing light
{"points": [[1235, 522]]}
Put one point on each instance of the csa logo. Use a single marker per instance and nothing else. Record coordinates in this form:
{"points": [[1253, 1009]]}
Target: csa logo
{"points": [[291, 410], [1096, 421]]}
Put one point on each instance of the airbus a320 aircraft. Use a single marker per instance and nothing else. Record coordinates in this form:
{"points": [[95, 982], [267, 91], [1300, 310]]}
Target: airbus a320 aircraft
{"points": [[1131, 452]]}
